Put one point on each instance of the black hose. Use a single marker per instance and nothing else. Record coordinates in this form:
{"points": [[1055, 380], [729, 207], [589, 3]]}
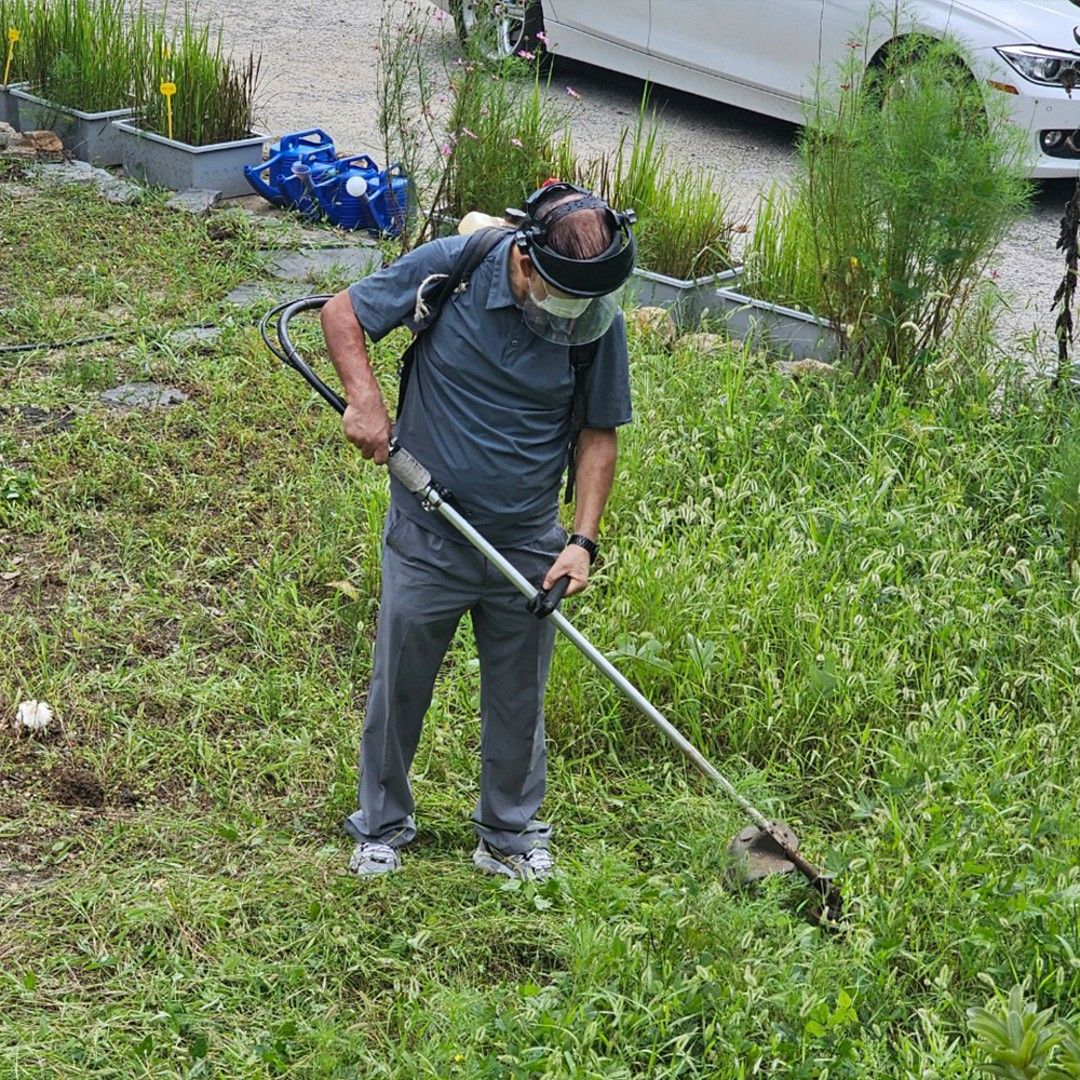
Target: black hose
{"points": [[286, 352]]}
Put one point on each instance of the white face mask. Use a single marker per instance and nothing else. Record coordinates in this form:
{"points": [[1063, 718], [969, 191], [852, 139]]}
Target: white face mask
{"points": [[564, 307]]}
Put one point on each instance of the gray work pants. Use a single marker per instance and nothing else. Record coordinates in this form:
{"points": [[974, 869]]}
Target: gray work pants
{"points": [[428, 583]]}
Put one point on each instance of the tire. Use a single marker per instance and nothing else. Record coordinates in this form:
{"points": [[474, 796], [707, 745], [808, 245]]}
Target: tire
{"points": [[499, 29], [892, 73]]}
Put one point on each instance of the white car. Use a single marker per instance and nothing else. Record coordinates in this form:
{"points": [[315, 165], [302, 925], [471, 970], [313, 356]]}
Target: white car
{"points": [[765, 55]]}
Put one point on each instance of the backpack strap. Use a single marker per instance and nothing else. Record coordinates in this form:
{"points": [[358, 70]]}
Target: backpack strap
{"points": [[581, 359], [436, 289]]}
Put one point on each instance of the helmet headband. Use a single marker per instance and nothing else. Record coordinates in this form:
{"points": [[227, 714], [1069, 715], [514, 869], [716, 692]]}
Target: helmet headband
{"points": [[597, 276]]}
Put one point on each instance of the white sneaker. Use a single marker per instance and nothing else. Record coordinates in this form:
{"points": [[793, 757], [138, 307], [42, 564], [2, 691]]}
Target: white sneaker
{"points": [[370, 859], [536, 864]]}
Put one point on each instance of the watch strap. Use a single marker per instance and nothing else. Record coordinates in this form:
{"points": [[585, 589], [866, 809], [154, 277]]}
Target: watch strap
{"points": [[590, 546]]}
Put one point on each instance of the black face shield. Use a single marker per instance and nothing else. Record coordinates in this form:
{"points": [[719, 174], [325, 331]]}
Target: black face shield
{"points": [[573, 301]]}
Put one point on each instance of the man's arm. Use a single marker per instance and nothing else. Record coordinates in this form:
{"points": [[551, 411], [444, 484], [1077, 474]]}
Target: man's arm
{"points": [[596, 454], [366, 421]]}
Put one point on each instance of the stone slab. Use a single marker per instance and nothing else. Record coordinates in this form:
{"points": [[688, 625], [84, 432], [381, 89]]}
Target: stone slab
{"points": [[197, 201], [308, 265], [195, 337], [143, 395]]}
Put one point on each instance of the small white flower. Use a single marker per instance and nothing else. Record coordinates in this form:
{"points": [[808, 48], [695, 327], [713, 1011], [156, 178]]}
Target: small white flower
{"points": [[34, 716]]}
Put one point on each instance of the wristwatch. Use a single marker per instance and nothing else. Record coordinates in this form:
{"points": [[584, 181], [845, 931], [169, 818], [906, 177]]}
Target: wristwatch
{"points": [[589, 545]]}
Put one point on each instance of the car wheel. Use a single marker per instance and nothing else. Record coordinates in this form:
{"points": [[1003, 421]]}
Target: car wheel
{"points": [[897, 73], [499, 28]]}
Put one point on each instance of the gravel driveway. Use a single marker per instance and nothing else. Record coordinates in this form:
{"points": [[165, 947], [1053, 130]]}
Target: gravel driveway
{"points": [[319, 64]]}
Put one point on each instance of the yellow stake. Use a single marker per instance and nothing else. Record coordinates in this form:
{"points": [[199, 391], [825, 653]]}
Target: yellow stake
{"points": [[13, 35], [168, 89]]}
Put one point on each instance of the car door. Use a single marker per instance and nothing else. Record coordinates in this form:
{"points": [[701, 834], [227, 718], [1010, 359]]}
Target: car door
{"points": [[622, 22], [766, 49]]}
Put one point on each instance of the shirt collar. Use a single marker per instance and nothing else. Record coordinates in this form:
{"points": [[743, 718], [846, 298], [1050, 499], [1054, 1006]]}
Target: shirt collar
{"points": [[499, 294]]}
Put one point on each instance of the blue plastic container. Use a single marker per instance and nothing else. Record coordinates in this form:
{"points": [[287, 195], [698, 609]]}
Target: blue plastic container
{"points": [[298, 190], [274, 178], [388, 201], [344, 189]]}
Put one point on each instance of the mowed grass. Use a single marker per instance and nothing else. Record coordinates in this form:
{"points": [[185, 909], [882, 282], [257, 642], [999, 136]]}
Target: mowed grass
{"points": [[853, 596]]}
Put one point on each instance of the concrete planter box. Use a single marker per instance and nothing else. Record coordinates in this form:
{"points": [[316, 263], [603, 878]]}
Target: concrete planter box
{"points": [[9, 104], [154, 159], [802, 336], [86, 136], [686, 300]]}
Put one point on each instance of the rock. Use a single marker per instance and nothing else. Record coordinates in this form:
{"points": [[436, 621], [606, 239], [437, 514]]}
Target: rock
{"points": [[197, 201], [195, 336], [8, 136], [250, 292], [143, 395], [112, 188], [47, 143], [72, 172], [308, 265], [705, 343], [797, 369], [652, 321], [17, 152], [262, 292], [17, 191], [121, 192]]}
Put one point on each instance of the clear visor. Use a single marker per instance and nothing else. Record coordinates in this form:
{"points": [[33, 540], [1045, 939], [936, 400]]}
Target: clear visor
{"points": [[568, 320]]}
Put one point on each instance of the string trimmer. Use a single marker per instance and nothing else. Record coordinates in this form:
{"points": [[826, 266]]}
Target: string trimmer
{"points": [[765, 848]]}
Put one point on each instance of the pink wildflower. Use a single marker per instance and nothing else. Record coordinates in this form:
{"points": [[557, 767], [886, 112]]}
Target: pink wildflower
{"points": [[526, 55], [573, 93], [541, 37], [471, 134], [518, 143], [446, 149]]}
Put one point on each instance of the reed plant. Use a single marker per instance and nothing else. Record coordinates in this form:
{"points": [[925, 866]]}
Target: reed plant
{"points": [[684, 224], [82, 54], [215, 96], [14, 16], [781, 258]]}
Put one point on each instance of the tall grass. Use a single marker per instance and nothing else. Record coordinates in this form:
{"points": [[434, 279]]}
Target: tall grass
{"points": [[84, 54], [909, 180], [684, 223], [14, 15], [505, 139], [781, 258], [215, 97], [855, 597]]}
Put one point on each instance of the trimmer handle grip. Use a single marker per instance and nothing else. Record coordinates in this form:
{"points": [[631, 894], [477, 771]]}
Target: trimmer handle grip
{"points": [[545, 602], [407, 470]]}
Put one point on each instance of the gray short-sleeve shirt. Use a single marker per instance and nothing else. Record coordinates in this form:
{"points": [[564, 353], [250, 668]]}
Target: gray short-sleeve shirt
{"points": [[487, 408]]}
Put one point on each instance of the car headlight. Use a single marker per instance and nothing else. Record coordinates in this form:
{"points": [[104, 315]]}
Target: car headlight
{"points": [[1041, 65]]}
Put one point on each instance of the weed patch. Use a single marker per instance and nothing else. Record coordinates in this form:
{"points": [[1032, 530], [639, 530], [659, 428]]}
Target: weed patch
{"points": [[859, 600]]}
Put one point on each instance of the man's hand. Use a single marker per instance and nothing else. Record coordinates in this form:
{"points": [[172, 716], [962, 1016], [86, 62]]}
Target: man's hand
{"points": [[367, 426], [365, 422], [573, 560]]}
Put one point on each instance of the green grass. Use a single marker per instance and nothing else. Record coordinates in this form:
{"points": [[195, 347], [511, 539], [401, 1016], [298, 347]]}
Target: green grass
{"points": [[83, 54], [855, 596]]}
